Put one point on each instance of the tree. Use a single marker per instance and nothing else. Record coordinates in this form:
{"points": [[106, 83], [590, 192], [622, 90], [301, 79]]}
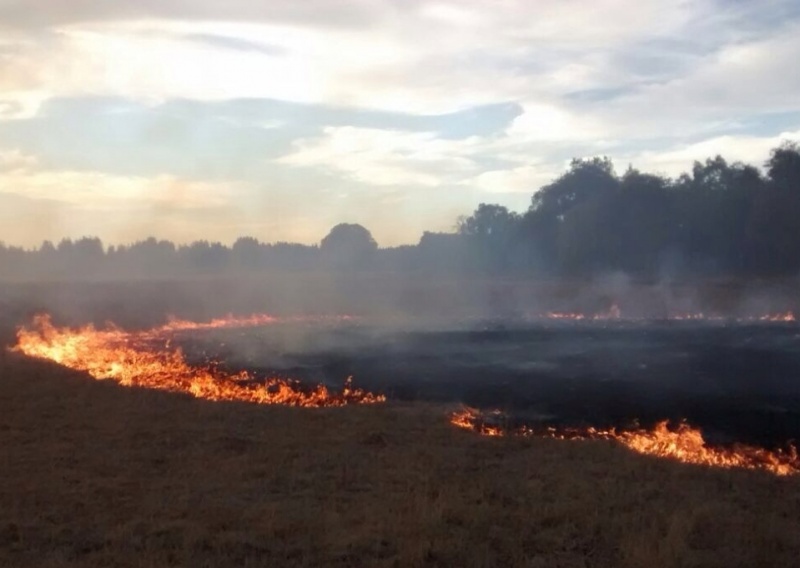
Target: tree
{"points": [[540, 228], [488, 222], [783, 167], [773, 231], [247, 253], [147, 257], [712, 210], [644, 225], [348, 244], [585, 179], [491, 230], [205, 257]]}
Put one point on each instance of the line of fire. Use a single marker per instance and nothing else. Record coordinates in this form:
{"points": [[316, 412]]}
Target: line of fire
{"points": [[146, 359]]}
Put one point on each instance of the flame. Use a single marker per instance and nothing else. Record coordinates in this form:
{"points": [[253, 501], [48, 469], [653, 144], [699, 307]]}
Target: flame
{"points": [[470, 419], [230, 322], [175, 324], [787, 317], [614, 313], [682, 443], [129, 359]]}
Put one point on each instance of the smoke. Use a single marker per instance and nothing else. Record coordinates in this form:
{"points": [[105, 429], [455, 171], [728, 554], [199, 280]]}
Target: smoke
{"points": [[604, 351]]}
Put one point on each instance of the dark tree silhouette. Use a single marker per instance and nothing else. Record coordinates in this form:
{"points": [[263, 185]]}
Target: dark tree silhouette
{"points": [[585, 179], [774, 228], [489, 222], [247, 254], [348, 244], [492, 232]]}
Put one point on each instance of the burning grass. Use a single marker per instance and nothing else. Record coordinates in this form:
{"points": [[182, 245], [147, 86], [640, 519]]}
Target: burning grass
{"points": [[143, 359], [681, 442], [615, 313], [233, 322], [94, 475]]}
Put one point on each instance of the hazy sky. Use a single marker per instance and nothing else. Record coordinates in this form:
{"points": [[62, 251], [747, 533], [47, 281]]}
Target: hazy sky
{"points": [[214, 119]]}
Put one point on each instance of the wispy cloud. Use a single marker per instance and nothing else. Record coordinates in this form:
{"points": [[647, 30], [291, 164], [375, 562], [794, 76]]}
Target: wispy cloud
{"points": [[386, 157], [236, 44]]}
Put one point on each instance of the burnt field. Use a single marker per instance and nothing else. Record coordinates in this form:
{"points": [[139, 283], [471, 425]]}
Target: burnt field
{"points": [[736, 381], [186, 466]]}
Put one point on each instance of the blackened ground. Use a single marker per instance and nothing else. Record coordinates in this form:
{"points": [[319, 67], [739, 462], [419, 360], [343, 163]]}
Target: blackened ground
{"points": [[738, 382]]}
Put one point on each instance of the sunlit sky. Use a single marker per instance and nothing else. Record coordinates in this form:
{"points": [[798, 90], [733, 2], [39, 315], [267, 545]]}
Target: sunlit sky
{"points": [[216, 119]]}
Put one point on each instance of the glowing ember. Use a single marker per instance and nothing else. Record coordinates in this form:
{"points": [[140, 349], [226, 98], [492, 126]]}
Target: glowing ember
{"points": [[682, 443], [127, 357], [788, 316], [613, 313]]}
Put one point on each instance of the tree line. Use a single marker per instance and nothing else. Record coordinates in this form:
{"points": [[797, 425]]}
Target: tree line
{"points": [[720, 219]]}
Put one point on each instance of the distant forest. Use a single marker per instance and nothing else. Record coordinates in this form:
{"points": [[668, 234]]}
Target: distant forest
{"points": [[720, 219]]}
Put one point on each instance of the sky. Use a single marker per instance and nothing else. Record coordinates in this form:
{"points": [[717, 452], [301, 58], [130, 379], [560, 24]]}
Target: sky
{"points": [[213, 120]]}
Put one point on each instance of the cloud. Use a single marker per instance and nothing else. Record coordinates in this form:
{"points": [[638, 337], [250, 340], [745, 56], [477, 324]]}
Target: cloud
{"points": [[209, 140], [38, 204], [236, 44], [98, 191], [722, 90], [37, 14], [406, 56], [412, 57], [523, 179], [15, 160], [752, 150], [386, 157]]}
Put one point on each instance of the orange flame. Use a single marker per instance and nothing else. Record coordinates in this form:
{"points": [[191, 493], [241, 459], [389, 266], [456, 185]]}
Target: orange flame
{"points": [[126, 357], [614, 313], [176, 324], [230, 322], [787, 317], [682, 443]]}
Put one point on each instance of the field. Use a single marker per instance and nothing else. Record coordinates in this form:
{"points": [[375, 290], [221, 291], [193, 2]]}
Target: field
{"points": [[92, 474]]}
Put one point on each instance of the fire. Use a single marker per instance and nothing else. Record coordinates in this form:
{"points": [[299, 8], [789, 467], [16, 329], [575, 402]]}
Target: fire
{"points": [[228, 322], [470, 419], [787, 317], [231, 322], [129, 359], [614, 313], [682, 443], [698, 316]]}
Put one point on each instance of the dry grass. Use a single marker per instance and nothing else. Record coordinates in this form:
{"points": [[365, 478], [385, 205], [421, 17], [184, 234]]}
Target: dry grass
{"points": [[92, 474]]}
